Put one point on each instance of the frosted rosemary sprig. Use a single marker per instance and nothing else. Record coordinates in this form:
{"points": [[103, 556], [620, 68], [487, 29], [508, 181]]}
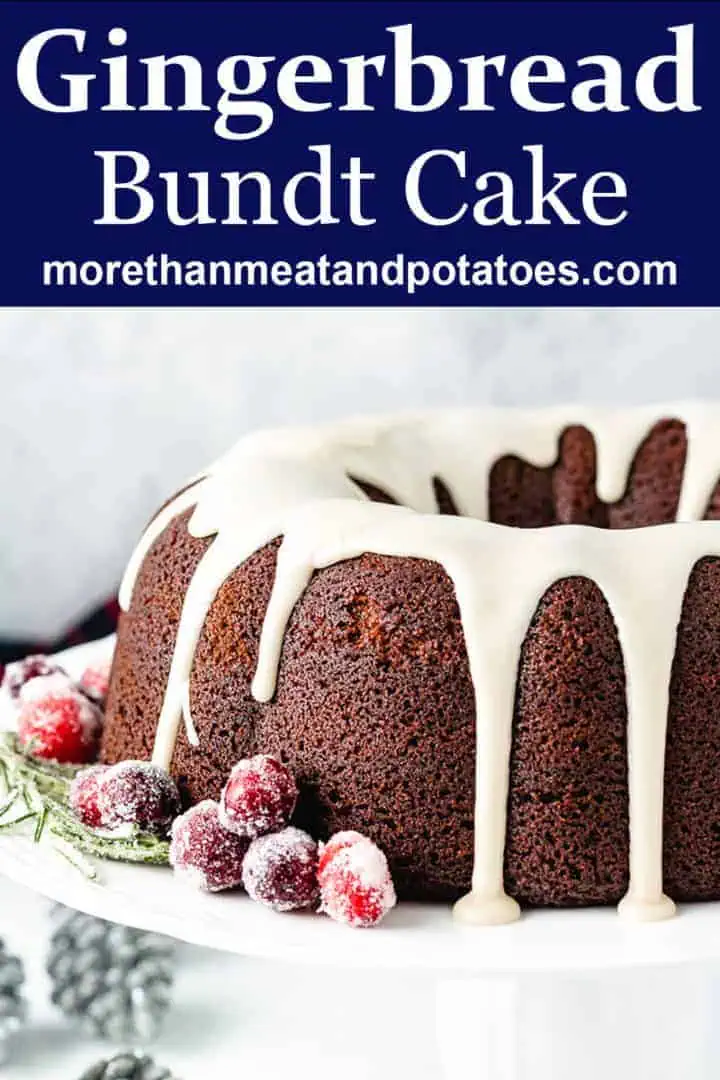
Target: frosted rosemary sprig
{"points": [[138, 847], [38, 791]]}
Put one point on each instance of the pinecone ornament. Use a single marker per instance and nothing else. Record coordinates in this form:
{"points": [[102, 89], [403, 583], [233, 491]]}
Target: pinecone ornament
{"points": [[12, 1004], [127, 1067], [114, 980]]}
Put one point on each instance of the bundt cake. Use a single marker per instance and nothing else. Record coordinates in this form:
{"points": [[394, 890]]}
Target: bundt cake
{"points": [[516, 713]]}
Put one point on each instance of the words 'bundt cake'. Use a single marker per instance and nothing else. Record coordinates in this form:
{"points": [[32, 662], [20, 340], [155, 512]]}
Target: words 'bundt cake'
{"points": [[516, 713]]}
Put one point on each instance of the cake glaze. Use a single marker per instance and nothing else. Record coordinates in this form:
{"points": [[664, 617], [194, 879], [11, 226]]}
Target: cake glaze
{"points": [[309, 486]]}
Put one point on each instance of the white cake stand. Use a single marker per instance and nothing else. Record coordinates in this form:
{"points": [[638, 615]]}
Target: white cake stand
{"points": [[558, 995]]}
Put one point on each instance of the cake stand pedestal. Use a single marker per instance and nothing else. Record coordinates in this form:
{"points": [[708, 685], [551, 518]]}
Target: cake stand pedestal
{"points": [[639, 1025], [578, 995]]}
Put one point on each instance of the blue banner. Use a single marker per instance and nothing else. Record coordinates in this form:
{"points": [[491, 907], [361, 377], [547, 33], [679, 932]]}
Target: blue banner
{"points": [[512, 153]]}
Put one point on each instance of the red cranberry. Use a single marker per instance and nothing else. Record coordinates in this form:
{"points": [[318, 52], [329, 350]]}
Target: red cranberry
{"points": [[85, 793], [335, 844], [204, 853], [57, 721], [259, 797], [355, 884], [139, 795], [280, 870], [95, 681], [22, 671]]}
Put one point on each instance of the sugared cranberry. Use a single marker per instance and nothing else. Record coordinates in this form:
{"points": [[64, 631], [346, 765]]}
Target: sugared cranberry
{"points": [[335, 844], [280, 870], [95, 681], [22, 671], [136, 794], [259, 797], [355, 883], [57, 721], [203, 852], [85, 793]]}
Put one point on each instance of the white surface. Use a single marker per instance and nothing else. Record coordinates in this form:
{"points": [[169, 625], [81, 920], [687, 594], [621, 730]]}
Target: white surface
{"points": [[104, 412]]}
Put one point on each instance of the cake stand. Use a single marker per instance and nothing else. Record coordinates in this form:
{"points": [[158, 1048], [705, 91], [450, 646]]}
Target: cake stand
{"points": [[558, 995]]}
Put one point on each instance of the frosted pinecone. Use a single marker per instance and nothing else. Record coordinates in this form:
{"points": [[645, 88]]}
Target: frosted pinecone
{"points": [[12, 1004], [112, 979], [127, 1067]]}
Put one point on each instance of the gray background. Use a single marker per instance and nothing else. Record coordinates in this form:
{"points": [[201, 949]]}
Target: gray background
{"points": [[104, 412]]}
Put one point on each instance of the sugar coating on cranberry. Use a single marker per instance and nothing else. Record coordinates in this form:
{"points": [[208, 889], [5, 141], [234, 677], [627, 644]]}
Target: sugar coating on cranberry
{"points": [[335, 844], [259, 797], [95, 681], [22, 671], [138, 795], [57, 721], [280, 870], [203, 853], [355, 884], [85, 794]]}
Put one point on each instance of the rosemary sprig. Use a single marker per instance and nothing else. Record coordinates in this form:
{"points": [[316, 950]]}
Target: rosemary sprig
{"points": [[17, 821], [75, 858], [40, 824], [138, 847], [40, 789], [47, 777], [7, 802]]}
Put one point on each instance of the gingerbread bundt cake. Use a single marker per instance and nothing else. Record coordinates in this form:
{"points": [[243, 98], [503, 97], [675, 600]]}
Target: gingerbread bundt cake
{"points": [[514, 712]]}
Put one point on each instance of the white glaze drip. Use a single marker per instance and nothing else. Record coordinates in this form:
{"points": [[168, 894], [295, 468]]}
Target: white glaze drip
{"points": [[192, 735], [182, 502], [295, 484]]}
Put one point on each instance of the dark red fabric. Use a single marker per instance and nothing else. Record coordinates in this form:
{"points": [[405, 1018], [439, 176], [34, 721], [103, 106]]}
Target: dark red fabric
{"points": [[97, 625]]}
